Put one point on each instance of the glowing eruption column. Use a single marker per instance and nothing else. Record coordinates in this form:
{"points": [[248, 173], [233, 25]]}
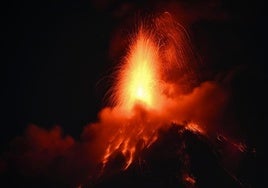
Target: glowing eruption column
{"points": [[137, 84], [138, 80], [139, 94]]}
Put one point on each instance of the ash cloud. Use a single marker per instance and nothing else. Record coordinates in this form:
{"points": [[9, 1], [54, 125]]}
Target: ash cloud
{"points": [[59, 159], [205, 105]]}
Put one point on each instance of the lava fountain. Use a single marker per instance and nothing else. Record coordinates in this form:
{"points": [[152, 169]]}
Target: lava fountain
{"points": [[138, 78], [140, 95]]}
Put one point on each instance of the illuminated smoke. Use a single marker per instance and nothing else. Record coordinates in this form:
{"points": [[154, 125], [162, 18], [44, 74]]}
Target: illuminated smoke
{"points": [[153, 89], [146, 89]]}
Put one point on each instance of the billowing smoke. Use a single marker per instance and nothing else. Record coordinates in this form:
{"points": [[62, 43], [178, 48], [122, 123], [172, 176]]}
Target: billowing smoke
{"points": [[179, 97], [48, 157]]}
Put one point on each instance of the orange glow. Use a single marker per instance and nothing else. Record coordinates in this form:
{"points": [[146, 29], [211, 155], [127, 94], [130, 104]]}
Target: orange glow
{"points": [[138, 79], [189, 179], [138, 85], [129, 135], [143, 95], [194, 127]]}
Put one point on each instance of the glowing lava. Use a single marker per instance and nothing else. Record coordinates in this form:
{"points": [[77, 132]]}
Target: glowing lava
{"points": [[138, 84], [138, 79]]}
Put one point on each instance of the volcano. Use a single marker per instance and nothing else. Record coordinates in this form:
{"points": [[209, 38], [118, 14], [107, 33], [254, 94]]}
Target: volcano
{"points": [[181, 157], [164, 126]]}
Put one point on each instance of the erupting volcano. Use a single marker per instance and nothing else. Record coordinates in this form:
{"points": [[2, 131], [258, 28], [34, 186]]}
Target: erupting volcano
{"points": [[150, 105], [139, 90], [159, 129]]}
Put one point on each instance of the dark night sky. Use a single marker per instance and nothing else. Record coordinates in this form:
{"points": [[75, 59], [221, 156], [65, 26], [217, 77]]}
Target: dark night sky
{"points": [[55, 59], [54, 55]]}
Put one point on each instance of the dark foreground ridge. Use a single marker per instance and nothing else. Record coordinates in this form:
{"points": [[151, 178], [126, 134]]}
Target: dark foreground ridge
{"points": [[179, 158]]}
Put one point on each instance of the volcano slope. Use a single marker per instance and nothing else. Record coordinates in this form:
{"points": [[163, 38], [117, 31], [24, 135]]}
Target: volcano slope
{"points": [[179, 158]]}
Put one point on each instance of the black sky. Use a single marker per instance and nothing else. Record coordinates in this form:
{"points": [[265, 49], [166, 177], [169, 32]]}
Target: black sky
{"points": [[56, 59], [54, 55]]}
